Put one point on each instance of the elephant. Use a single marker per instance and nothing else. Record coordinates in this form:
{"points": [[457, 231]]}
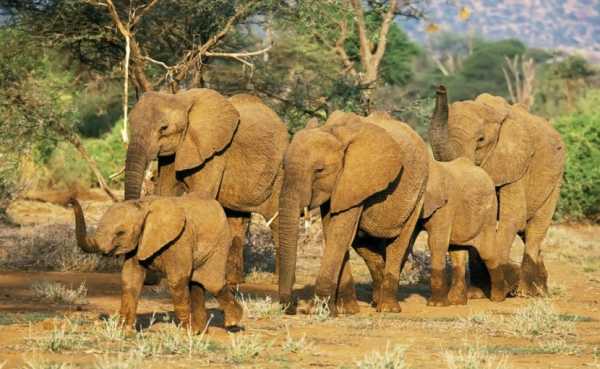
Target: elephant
{"points": [[229, 149], [364, 174], [187, 238], [460, 209], [525, 158]]}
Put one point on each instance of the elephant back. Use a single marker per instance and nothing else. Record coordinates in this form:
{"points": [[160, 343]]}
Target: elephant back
{"points": [[255, 155]]}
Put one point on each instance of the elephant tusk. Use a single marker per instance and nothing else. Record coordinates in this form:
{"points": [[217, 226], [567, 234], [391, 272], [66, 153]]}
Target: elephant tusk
{"points": [[272, 218]]}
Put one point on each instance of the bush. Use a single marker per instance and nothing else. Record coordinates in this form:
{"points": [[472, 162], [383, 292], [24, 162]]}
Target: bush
{"points": [[580, 191]]}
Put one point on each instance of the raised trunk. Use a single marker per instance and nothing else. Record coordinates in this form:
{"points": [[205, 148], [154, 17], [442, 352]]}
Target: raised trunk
{"points": [[84, 242], [135, 166], [438, 129]]}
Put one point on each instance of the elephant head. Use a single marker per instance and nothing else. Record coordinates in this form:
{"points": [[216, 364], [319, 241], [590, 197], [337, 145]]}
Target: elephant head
{"points": [[466, 128], [342, 162], [192, 125], [484, 131], [130, 225]]}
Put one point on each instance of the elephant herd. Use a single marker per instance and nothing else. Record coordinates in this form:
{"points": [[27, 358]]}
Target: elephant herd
{"points": [[495, 173]]}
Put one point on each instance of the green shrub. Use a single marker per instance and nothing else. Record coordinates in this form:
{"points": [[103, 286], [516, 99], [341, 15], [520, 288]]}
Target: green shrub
{"points": [[580, 191]]}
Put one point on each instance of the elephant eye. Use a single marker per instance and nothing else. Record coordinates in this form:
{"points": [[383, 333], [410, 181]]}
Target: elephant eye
{"points": [[481, 139], [163, 128], [120, 233]]}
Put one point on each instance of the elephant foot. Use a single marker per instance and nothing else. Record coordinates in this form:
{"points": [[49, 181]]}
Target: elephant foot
{"points": [[497, 292], [288, 304], [389, 306], [533, 279], [458, 296], [233, 315], [438, 301], [348, 306]]}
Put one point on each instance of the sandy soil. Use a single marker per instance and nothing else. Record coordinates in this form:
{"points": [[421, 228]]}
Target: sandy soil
{"points": [[494, 334]]}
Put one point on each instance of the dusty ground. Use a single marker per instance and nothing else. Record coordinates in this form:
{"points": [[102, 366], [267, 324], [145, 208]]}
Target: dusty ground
{"points": [[562, 331]]}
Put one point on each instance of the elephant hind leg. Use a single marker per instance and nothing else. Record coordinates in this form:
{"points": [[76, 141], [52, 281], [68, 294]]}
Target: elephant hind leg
{"points": [[370, 250], [232, 310], [199, 314], [346, 301], [457, 295], [235, 260], [534, 277]]}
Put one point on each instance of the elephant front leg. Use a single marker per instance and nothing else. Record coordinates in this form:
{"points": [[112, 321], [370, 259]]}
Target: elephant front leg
{"points": [[395, 253], [179, 286], [339, 234], [132, 281], [438, 240], [235, 259], [534, 277]]}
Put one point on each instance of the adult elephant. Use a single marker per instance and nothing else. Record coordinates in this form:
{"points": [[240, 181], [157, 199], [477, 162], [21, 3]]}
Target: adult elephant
{"points": [[363, 177], [230, 149], [524, 156]]}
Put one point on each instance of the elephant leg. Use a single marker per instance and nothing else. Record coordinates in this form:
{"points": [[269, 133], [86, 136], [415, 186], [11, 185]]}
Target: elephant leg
{"points": [[339, 234], [438, 241], [346, 300], [132, 281], [375, 261], [232, 310], [235, 259], [534, 277], [275, 235], [457, 295], [478, 275], [395, 254], [179, 285], [485, 244], [199, 314], [512, 213]]}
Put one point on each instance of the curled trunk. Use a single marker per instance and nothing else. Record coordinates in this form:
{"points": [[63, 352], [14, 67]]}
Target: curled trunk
{"points": [[135, 166], [84, 242], [438, 129]]}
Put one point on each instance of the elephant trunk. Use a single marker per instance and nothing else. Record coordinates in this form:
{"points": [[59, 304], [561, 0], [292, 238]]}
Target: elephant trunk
{"points": [[289, 219], [87, 244], [438, 129], [135, 168]]}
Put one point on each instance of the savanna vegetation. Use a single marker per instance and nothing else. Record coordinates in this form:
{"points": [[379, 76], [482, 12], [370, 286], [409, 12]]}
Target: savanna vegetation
{"points": [[63, 65]]}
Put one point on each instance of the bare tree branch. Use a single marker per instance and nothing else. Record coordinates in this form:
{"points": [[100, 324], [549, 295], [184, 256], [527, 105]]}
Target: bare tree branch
{"points": [[383, 32]]}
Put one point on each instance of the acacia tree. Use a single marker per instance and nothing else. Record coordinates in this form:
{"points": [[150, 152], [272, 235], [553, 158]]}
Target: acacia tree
{"points": [[335, 24]]}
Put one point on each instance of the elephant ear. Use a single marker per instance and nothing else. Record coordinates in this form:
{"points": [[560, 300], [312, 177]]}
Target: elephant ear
{"points": [[372, 161], [212, 122], [164, 223], [436, 192], [511, 156]]}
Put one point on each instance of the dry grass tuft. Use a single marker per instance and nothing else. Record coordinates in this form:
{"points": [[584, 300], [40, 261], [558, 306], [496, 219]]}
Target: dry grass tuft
{"points": [[244, 348], [57, 293], [393, 358], [474, 357]]}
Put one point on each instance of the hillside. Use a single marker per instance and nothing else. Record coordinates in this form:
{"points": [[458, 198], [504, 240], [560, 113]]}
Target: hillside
{"points": [[571, 25]]}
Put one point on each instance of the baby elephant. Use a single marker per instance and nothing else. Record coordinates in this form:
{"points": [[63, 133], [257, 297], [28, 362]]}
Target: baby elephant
{"points": [[187, 238], [460, 209]]}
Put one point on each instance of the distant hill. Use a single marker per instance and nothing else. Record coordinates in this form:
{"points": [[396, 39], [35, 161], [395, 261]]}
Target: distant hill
{"points": [[570, 25]]}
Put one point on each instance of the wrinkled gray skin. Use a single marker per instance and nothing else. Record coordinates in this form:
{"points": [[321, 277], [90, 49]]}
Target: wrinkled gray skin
{"points": [[525, 157], [365, 174], [229, 149]]}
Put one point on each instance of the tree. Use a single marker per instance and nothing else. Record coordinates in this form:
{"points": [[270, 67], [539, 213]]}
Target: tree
{"points": [[34, 104], [335, 23]]}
